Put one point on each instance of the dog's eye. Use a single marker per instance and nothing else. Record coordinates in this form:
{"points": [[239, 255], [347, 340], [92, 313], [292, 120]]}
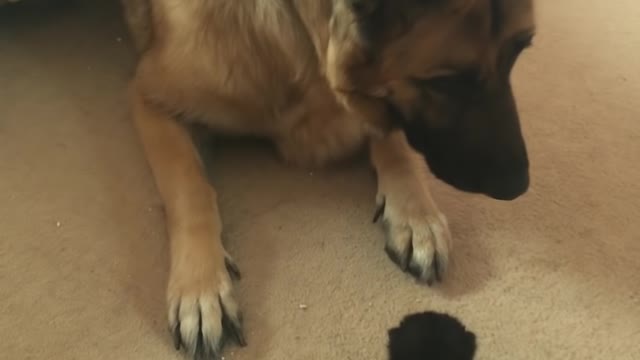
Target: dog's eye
{"points": [[521, 43], [520, 46], [513, 49], [524, 43], [454, 84]]}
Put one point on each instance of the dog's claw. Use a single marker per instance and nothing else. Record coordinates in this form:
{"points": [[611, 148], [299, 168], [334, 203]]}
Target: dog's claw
{"points": [[199, 350], [437, 270], [232, 268], [239, 337], [398, 259], [379, 211], [233, 329], [232, 326], [400, 248], [237, 334], [210, 350], [203, 331], [175, 334]]}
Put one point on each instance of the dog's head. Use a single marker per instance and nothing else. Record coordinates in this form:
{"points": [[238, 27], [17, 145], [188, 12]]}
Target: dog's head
{"points": [[439, 70]]}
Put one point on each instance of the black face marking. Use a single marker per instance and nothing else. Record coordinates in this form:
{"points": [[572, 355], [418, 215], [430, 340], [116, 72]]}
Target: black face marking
{"points": [[497, 17], [466, 125]]}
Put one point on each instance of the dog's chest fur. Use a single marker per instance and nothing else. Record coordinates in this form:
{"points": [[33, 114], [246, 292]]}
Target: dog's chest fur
{"points": [[250, 67]]}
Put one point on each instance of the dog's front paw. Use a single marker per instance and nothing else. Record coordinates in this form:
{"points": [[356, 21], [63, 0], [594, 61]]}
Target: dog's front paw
{"points": [[203, 313], [417, 234]]}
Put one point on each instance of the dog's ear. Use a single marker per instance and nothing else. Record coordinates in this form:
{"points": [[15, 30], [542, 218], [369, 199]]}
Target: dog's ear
{"points": [[359, 30]]}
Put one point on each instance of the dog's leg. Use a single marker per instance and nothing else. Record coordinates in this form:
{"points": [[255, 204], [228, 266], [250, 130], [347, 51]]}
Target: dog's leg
{"points": [[418, 237], [202, 310]]}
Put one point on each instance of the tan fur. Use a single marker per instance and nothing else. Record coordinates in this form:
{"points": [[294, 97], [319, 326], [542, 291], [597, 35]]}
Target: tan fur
{"points": [[412, 219], [293, 71]]}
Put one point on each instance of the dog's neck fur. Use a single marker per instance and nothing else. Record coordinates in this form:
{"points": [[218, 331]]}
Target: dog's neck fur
{"points": [[316, 17]]}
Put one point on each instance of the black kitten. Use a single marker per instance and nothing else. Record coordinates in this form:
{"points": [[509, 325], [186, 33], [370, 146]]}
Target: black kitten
{"points": [[431, 336]]}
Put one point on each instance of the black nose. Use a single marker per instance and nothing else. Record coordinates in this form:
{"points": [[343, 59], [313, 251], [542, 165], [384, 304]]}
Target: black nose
{"points": [[508, 186]]}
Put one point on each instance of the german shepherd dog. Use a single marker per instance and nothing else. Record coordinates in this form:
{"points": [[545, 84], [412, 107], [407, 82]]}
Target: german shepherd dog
{"points": [[421, 84]]}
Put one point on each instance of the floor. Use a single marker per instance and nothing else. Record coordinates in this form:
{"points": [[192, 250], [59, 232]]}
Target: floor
{"points": [[83, 252]]}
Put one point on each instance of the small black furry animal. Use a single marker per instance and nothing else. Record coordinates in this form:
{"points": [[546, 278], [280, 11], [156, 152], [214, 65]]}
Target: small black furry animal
{"points": [[431, 336]]}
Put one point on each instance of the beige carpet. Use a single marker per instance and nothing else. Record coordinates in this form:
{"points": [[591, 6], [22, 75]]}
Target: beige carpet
{"points": [[83, 254]]}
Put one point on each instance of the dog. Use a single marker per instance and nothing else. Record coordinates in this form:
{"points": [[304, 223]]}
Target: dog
{"points": [[422, 85]]}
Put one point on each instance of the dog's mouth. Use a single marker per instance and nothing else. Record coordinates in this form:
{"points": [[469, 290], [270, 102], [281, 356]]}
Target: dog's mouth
{"points": [[487, 170], [505, 187]]}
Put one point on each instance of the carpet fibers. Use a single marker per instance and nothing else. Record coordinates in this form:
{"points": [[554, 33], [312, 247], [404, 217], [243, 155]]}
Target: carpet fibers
{"points": [[83, 251]]}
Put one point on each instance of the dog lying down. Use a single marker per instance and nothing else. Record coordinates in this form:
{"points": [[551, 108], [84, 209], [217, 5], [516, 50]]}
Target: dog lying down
{"points": [[422, 86], [431, 336]]}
